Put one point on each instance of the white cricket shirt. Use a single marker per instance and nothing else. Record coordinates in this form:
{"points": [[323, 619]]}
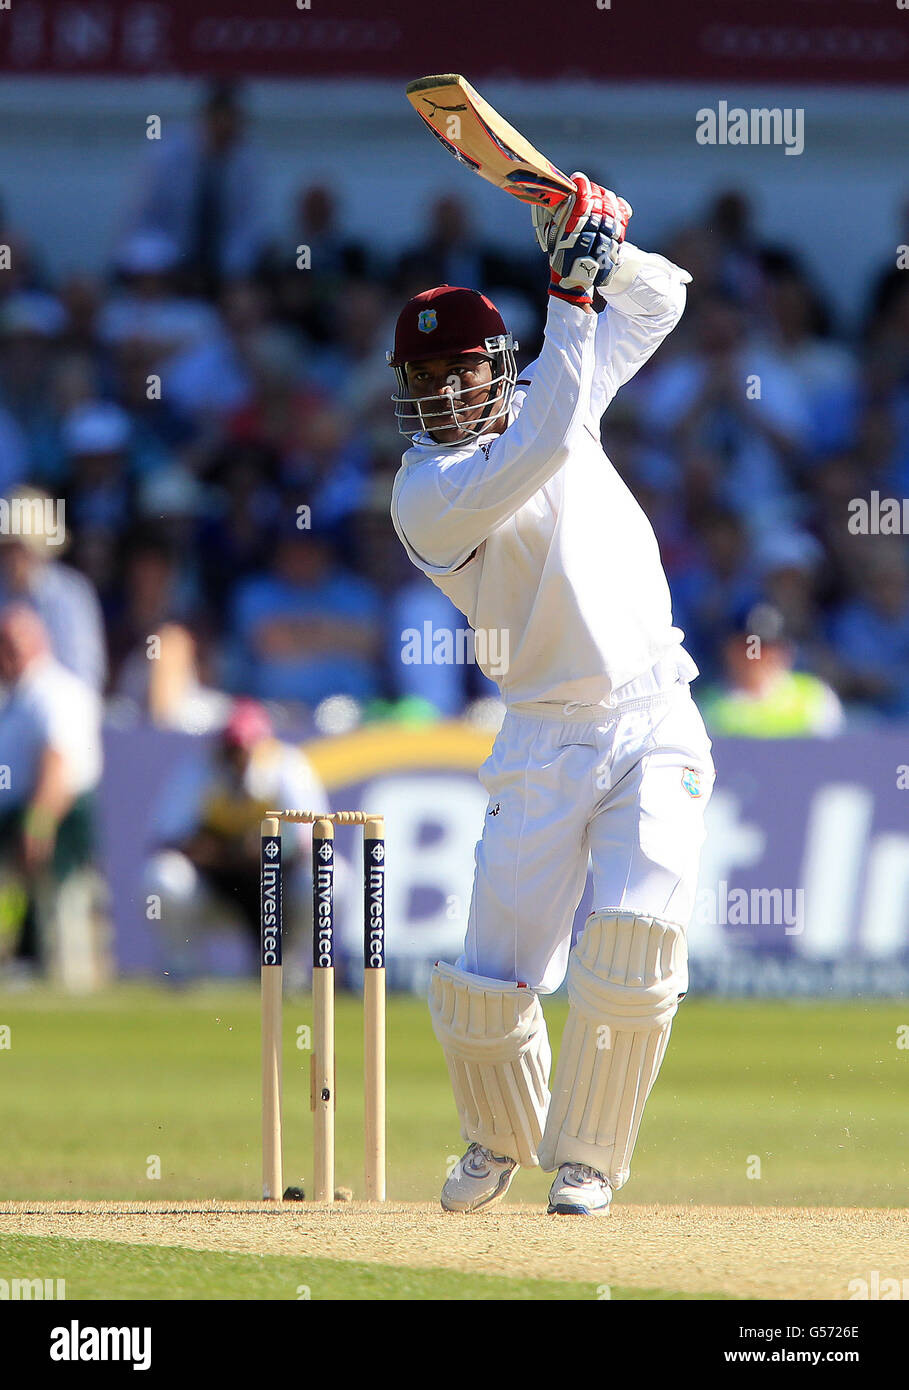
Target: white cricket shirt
{"points": [[532, 533]]}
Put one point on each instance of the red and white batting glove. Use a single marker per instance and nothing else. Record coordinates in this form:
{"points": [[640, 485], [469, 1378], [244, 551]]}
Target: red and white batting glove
{"points": [[584, 242], [558, 228]]}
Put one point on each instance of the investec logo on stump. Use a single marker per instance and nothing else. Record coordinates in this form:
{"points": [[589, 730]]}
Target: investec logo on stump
{"points": [[375, 937], [271, 903], [324, 924], [77, 1343]]}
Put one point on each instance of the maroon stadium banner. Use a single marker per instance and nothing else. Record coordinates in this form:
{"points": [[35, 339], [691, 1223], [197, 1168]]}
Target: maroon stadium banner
{"points": [[798, 41]]}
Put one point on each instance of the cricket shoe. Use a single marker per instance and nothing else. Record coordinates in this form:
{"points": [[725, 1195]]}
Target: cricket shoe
{"points": [[477, 1180], [579, 1191]]}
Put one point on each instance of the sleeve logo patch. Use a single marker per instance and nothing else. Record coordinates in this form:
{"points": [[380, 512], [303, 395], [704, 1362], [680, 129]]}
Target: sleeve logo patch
{"points": [[691, 781]]}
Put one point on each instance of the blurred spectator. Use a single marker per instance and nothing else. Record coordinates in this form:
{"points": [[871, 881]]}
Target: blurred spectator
{"points": [[30, 326], [208, 860], [353, 371], [891, 281], [148, 308], [307, 297], [173, 692], [279, 397], [789, 562], [13, 452], [887, 370], [761, 696], [50, 740], [157, 428], [825, 372], [746, 440], [332, 252], [712, 582], [75, 382], [880, 455], [235, 533], [216, 375], [81, 297], [308, 628], [451, 254], [25, 272], [735, 411], [31, 573], [328, 465], [697, 248], [870, 632], [203, 193], [739, 268], [96, 438], [152, 593]]}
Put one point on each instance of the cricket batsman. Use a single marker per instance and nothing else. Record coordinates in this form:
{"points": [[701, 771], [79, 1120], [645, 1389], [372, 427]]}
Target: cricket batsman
{"points": [[506, 500]]}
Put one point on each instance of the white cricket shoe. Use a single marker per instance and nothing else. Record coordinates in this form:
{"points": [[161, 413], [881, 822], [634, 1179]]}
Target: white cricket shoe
{"points": [[478, 1179], [579, 1191]]}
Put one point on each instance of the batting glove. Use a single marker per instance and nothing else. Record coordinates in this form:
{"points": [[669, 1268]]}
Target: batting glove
{"points": [[577, 270], [562, 224], [591, 225]]}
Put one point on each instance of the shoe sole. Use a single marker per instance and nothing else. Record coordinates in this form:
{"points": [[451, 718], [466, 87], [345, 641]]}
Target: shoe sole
{"points": [[486, 1202], [569, 1209]]}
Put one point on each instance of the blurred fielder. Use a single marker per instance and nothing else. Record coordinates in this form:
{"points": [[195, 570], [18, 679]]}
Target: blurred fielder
{"points": [[508, 503]]}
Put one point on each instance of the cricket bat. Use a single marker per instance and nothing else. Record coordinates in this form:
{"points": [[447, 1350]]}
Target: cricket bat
{"points": [[475, 133]]}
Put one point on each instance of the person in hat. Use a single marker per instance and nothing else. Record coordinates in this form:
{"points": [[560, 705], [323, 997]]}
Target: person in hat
{"points": [[506, 500]]}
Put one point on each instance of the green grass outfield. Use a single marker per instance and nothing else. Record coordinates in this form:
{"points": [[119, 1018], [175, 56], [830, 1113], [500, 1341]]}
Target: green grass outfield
{"points": [[99, 1269], [99, 1093]]}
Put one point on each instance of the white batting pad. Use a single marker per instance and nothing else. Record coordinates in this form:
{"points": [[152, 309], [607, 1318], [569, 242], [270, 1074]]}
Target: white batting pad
{"points": [[626, 976], [494, 1038]]}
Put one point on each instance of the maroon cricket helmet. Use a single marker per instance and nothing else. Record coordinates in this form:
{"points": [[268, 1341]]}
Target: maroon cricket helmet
{"points": [[445, 322]]}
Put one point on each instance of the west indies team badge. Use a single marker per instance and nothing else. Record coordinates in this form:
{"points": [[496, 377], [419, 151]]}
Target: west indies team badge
{"points": [[691, 781], [427, 320]]}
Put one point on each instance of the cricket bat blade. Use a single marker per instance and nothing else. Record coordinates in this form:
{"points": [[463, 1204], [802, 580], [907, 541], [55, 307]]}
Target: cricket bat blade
{"points": [[476, 135]]}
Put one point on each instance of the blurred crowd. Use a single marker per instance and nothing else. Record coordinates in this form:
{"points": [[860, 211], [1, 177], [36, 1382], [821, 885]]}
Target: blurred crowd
{"points": [[201, 447], [214, 413]]}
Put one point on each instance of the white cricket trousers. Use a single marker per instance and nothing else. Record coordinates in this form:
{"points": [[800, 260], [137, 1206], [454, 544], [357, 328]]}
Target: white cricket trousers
{"points": [[624, 788]]}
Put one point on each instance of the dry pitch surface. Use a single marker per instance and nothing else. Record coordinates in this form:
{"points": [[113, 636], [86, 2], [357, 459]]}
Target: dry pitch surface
{"points": [[751, 1252]]}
